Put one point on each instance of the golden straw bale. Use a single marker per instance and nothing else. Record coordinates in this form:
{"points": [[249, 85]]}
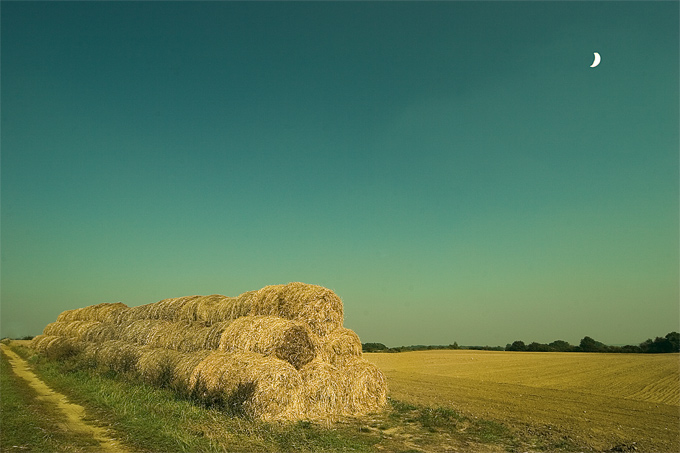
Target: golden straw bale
{"points": [[247, 298], [184, 367], [119, 356], [365, 387], [37, 341], [109, 312], [185, 308], [54, 328], [124, 317], [215, 331], [68, 315], [315, 305], [180, 336], [157, 365], [157, 331], [71, 329], [138, 331], [173, 309], [194, 338], [322, 392], [99, 312], [89, 354], [270, 335], [250, 383], [62, 347], [99, 332], [338, 346], [216, 308], [56, 347]]}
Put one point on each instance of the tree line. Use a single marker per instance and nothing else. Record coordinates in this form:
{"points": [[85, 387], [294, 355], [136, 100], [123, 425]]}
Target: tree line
{"points": [[669, 343]]}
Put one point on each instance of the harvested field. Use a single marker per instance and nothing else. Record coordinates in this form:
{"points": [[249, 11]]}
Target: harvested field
{"points": [[602, 400]]}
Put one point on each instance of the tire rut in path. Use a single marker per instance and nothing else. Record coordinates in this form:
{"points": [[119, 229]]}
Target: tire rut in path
{"points": [[74, 414]]}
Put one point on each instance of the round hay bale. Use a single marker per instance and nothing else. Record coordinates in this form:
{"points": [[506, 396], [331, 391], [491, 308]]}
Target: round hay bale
{"points": [[186, 308], [157, 365], [109, 312], [55, 328], [71, 329], [322, 391], [98, 312], [216, 308], [103, 331], [39, 341], [338, 346], [365, 387], [68, 315], [56, 347], [137, 331], [215, 331], [184, 367], [119, 356], [272, 336], [180, 336], [250, 384], [318, 307], [89, 354], [159, 332]]}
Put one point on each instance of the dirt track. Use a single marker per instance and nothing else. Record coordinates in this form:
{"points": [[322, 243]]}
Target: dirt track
{"points": [[74, 414]]}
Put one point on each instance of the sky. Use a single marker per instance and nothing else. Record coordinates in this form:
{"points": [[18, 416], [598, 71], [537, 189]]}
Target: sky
{"points": [[454, 171]]}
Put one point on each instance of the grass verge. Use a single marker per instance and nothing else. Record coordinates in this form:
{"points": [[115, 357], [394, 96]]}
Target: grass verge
{"points": [[148, 418], [29, 424]]}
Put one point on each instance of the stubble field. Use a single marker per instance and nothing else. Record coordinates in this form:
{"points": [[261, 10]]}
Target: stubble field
{"points": [[618, 402]]}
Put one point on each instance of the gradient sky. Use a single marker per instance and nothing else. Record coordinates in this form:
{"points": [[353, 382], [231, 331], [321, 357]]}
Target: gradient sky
{"points": [[455, 171]]}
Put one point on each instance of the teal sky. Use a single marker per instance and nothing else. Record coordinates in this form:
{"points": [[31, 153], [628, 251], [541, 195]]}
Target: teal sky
{"points": [[455, 171]]}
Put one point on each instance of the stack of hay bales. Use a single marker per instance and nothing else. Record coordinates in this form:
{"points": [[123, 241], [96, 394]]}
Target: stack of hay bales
{"points": [[279, 353]]}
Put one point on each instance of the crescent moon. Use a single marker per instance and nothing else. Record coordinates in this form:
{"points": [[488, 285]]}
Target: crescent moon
{"points": [[596, 61]]}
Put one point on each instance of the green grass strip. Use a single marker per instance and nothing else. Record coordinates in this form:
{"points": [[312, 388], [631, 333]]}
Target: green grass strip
{"points": [[29, 424]]}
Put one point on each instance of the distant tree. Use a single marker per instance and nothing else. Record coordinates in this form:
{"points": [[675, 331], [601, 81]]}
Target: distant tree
{"points": [[674, 339], [373, 347], [589, 345], [669, 343], [630, 349], [516, 346], [561, 346], [454, 345], [537, 347]]}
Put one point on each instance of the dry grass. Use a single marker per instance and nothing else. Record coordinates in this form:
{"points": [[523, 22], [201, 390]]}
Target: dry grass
{"points": [[249, 383], [602, 399], [271, 336]]}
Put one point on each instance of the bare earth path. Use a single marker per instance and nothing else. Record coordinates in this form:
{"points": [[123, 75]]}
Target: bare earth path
{"points": [[74, 413]]}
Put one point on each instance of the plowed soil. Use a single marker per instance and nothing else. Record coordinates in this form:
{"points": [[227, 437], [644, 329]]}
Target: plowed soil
{"points": [[607, 402]]}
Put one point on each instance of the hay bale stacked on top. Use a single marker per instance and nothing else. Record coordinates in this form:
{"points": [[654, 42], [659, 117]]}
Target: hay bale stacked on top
{"points": [[277, 353]]}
